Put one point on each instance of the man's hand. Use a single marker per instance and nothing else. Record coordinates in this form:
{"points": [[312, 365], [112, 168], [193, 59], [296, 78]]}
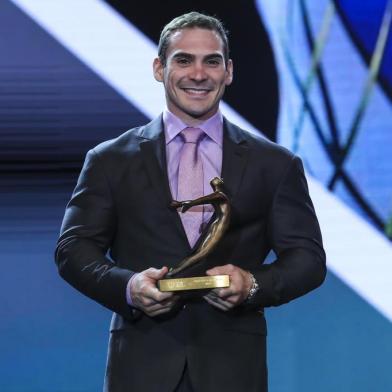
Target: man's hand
{"points": [[229, 297], [146, 296]]}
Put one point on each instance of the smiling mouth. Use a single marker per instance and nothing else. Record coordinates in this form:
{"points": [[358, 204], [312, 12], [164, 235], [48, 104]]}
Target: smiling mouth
{"points": [[196, 91]]}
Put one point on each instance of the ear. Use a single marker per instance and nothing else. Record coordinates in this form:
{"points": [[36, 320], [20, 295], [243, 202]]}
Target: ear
{"points": [[158, 69], [229, 72]]}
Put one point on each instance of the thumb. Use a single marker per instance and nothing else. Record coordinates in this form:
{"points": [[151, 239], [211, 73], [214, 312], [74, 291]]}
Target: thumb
{"points": [[156, 274], [221, 270]]}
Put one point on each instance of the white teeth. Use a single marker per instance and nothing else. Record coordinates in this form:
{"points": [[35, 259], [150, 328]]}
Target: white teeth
{"points": [[195, 91]]}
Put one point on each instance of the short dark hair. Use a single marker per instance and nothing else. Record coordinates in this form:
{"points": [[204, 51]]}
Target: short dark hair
{"points": [[189, 21]]}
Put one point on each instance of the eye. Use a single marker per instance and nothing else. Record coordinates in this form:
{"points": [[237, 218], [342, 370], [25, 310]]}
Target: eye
{"points": [[182, 60], [214, 62]]}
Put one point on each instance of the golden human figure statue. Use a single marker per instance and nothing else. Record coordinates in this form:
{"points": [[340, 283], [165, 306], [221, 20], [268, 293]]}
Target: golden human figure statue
{"points": [[219, 200]]}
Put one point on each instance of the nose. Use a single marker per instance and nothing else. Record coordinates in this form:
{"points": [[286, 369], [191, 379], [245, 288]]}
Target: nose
{"points": [[198, 72]]}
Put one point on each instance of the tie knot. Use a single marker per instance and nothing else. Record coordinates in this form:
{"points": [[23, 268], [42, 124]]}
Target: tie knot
{"points": [[192, 135]]}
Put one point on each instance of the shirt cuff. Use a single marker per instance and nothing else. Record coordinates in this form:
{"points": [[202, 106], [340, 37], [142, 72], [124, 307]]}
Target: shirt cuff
{"points": [[128, 290]]}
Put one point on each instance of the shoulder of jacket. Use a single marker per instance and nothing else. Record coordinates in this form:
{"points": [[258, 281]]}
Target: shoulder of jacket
{"points": [[261, 144], [120, 143]]}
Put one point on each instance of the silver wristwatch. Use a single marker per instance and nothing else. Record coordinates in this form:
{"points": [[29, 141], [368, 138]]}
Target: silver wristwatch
{"points": [[254, 288]]}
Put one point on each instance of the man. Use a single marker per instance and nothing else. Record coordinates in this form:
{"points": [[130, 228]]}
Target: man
{"points": [[158, 341]]}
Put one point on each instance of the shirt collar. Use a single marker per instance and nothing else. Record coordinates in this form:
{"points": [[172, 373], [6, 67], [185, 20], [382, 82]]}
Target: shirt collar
{"points": [[213, 126]]}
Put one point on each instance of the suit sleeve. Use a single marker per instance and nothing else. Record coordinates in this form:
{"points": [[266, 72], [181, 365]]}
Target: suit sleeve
{"points": [[86, 234], [294, 235]]}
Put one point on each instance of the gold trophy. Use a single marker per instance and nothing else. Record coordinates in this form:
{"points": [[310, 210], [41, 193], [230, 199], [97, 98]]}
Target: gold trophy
{"points": [[172, 281]]}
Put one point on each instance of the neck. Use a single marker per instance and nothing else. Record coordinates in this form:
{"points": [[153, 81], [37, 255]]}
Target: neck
{"points": [[193, 122]]}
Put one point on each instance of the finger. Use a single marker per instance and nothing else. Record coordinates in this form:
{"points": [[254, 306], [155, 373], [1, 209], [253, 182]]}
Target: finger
{"points": [[220, 301], [213, 293], [164, 302], [159, 309], [224, 292], [143, 302], [213, 303], [149, 296], [216, 271], [216, 304], [214, 296], [158, 296], [221, 270], [232, 299], [159, 312], [170, 301], [155, 273]]}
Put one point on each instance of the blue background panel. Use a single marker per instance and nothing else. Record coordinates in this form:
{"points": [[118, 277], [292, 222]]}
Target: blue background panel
{"points": [[53, 108], [363, 20]]}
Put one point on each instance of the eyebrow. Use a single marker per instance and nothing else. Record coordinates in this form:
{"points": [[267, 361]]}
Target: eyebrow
{"points": [[214, 56], [183, 54], [191, 56]]}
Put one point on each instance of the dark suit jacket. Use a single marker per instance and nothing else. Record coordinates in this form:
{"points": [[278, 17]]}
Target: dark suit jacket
{"points": [[120, 205]]}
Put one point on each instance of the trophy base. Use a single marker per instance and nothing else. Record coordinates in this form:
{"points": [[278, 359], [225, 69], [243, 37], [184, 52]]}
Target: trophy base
{"points": [[194, 283]]}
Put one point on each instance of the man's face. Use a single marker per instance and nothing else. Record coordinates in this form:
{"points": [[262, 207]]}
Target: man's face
{"points": [[195, 74]]}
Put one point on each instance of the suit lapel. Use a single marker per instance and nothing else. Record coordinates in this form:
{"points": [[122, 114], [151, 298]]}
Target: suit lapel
{"points": [[153, 151], [235, 157]]}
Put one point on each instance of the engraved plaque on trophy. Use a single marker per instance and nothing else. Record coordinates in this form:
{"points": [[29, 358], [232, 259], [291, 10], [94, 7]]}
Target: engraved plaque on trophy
{"points": [[176, 279]]}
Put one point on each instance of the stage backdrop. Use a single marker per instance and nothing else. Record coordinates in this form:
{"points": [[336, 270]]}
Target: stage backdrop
{"points": [[314, 76]]}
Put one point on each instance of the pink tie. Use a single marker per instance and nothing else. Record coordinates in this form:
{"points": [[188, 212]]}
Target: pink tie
{"points": [[190, 182]]}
